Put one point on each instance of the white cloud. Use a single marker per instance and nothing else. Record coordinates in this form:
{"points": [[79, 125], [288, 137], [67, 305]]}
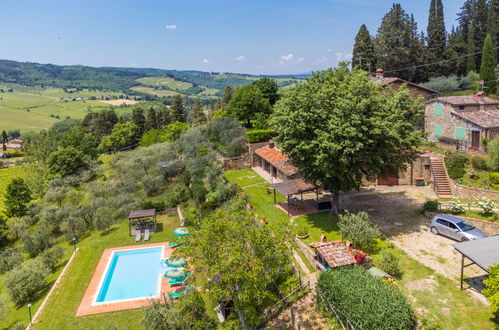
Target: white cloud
{"points": [[171, 27], [286, 58], [323, 60], [343, 56], [299, 60], [240, 58], [205, 60]]}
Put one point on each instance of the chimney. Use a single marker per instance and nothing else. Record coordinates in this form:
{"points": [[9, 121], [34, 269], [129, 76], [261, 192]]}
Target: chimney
{"points": [[323, 238], [271, 144], [379, 73], [480, 97]]}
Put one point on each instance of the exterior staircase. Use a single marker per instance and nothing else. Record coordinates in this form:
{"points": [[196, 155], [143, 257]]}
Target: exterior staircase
{"points": [[440, 179]]}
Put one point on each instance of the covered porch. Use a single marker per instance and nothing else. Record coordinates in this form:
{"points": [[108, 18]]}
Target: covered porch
{"points": [[140, 220], [309, 201]]}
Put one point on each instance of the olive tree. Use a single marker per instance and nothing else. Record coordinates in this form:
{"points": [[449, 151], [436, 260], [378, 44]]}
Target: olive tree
{"points": [[26, 280]]}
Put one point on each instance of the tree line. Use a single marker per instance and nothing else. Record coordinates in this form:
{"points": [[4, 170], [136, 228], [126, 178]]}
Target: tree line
{"points": [[399, 44]]}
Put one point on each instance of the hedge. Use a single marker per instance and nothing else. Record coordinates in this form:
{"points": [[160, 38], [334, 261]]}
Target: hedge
{"points": [[365, 300], [455, 165], [260, 135]]}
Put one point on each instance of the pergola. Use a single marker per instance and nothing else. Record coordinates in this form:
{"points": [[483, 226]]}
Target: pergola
{"points": [[482, 252], [141, 214], [295, 187]]}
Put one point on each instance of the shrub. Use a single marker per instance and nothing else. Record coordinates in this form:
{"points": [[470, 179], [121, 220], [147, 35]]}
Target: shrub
{"points": [[24, 281], [260, 135], [365, 300], [10, 257], [443, 84], [493, 157], [455, 165], [148, 204], [52, 256], [491, 291], [357, 229], [302, 230], [430, 206], [494, 179], [390, 263], [455, 207], [486, 205], [478, 163]]}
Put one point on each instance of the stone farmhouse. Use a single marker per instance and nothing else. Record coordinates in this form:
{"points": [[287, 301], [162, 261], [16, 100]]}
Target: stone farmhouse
{"points": [[463, 121], [396, 84]]}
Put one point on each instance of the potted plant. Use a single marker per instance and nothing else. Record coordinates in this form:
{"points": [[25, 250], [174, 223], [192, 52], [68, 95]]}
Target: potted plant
{"points": [[302, 231], [264, 220]]}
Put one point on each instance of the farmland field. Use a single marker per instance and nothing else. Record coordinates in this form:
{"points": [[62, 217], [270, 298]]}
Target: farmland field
{"points": [[152, 91], [162, 81], [34, 109]]}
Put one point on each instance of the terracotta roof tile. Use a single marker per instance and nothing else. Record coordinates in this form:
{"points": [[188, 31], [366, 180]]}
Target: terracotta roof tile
{"points": [[277, 158], [390, 80], [335, 253], [482, 118], [464, 100]]}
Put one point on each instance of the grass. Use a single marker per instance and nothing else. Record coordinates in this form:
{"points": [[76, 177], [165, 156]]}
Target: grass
{"points": [[152, 91], [244, 178], [164, 81], [317, 224], [480, 181], [6, 175], [61, 309], [474, 215], [37, 108]]}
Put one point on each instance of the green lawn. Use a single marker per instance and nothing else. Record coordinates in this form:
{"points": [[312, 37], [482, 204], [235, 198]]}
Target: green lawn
{"points": [[61, 309], [164, 81], [319, 223], [36, 108], [6, 175], [244, 178], [475, 215], [480, 181]]}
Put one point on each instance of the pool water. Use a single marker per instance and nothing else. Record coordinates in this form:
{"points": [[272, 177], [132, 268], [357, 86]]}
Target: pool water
{"points": [[132, 274]]}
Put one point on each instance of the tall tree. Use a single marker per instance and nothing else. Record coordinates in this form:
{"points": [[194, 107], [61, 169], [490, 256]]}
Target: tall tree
{"points": [[488, 67], [436, 37], [394, 43], [151, 120], [17, 196], [248, 100], [178, 109], [228, 93], [269, 89], [364, 57], [139, 119], [4, 140], [480, 26], [456, 47], [164, 117], [337, 129], [198, 116], [493, 23], [470, 49]]}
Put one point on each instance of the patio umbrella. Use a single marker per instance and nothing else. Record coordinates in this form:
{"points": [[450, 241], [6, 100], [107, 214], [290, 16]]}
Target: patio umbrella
{"points": [[175, 273], [181, 231], [176, 262]]}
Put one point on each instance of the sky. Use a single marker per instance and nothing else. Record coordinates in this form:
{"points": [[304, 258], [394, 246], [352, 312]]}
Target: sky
{"points": [[252, 36]]}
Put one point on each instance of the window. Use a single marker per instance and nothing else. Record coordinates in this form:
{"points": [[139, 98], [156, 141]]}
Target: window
{"points": [[452, 226], [439, 109], [460, 133], [443, 222], [437, 131], [461, 107]]}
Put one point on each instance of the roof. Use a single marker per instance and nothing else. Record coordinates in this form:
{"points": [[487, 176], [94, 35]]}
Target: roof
{"points": [[335, 253], [464, 100], [484, 251], [293, 187], [391, 80], [142, 214], [14, 144], [277, 158], [482, 118]]}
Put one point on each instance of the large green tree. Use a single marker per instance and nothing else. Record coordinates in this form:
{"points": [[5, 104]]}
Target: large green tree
{"points": [[78, 138], [470, 49], [245, 261], [123, 136], [489, 62], [493, 23], [152, 121], [139, 119], [65, 162], [178, 109], [247, 101], [198, 115], [17, 196], [363, 56], [338, 129], [269, 89], [436, 37]]}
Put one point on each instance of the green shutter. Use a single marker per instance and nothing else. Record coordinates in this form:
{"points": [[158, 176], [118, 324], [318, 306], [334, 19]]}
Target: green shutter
{"points": [[437, 131], [460, 133], [439, 109]]}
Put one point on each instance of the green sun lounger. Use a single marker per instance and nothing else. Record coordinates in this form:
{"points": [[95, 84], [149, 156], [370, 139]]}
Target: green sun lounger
{"points": [[182, 281], [178, 294]]}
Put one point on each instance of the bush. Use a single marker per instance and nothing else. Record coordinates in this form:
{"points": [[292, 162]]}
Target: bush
{"points": [[443, 84], [455, 165], [430, 206], [486, 205], [455, 207], [52, 256], [390, 263], [493, 157], [365, 300], [302, 230], [260, 135], [148, 204], [491, 290], [23, 282], [494, 179], [357, 229], [10, 257], [478, 163]]}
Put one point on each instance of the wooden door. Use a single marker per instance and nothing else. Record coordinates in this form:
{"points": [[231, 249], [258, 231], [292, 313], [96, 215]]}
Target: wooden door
{"points": [[475, 139]]}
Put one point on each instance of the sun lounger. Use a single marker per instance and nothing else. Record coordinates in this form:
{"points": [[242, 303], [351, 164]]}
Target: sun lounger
{"points": [[177, 242], [146, 235], [137, 236], [182, 281], [178, 294]]}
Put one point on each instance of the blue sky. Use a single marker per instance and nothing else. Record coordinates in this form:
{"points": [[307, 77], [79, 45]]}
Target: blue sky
{"points": [[252, 36]]}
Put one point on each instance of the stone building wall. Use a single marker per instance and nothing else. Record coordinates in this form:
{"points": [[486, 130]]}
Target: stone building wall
{"points": [[415, 92]]}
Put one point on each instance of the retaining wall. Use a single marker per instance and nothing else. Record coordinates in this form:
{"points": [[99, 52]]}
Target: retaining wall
{"points": [[465, 192]]}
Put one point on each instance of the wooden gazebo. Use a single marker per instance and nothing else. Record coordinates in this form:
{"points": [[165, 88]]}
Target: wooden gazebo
{"points": [[295, 187], [145, 219]]}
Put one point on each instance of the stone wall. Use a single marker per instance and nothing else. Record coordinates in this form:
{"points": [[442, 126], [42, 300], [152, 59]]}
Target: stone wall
{"points": [[489, 228], [465, 192], [244, 161], [420, 168]]}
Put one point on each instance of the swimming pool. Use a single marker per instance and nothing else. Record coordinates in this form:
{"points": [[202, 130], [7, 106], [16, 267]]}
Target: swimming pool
{"points": [[132, 274]]}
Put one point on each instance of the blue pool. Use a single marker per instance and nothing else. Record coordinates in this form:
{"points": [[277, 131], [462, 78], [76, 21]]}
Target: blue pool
{"points": [[132, 274]]}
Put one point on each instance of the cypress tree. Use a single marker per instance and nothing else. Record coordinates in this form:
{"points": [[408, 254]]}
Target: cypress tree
{"points": [[363, 50], [139, 119], [178, 109], [151, 120], [480, 25], [470, 49], [228, 93], [493, 22], [436, 37], [165, 117], [456, 46], [198, 116], [489, 62]]}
